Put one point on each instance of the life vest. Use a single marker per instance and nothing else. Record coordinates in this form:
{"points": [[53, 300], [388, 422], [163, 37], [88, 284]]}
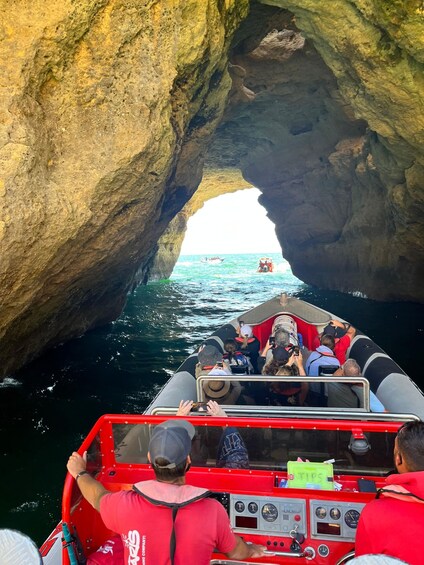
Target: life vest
{"points": [[241, 340], [151, 490], [399, 492]]}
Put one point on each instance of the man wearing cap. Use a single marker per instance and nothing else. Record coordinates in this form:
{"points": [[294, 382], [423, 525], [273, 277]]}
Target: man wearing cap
{"points": [[393, 523], [165, 521]]}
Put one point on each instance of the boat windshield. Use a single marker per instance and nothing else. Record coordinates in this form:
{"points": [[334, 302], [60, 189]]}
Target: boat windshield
{"points": [[268, 448]]}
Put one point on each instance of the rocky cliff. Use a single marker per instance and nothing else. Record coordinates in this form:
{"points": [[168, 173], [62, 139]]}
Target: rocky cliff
{"points": [[111, 108]]}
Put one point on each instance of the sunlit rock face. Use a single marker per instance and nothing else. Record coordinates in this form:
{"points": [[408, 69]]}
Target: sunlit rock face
{"points": [[110, 108], [330, 129], [106, 109], [352, 217]]}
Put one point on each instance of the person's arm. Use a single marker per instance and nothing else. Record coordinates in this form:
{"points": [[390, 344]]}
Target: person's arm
{"points": [[350, 330], [91, 489], [245, 550], [184, 408]]}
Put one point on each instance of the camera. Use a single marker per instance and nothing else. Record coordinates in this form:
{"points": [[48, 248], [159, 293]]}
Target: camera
{"points": [[219, 364], [241, 323], [293, 350]]}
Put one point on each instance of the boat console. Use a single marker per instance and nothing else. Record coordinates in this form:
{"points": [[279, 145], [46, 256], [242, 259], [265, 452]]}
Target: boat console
{"points": [[307, 513]]}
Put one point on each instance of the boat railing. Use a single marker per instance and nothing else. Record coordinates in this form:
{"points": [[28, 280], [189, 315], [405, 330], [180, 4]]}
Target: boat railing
{"points": [[296, 412], [267, 379]]}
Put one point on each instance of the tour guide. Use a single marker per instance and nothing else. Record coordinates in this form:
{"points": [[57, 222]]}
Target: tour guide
{"points": [[165, 521]]}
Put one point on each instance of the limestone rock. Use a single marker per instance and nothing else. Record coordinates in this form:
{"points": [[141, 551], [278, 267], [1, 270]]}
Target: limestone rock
{"points": [[106, 109], [110, 109]]}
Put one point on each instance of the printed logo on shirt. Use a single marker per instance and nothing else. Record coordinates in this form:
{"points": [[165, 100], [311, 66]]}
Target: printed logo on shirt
{"points": [[132, 542]]}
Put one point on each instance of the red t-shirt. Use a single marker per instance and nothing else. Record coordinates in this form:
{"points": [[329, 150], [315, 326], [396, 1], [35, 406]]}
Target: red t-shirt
{"points": [[342, 345], [146, 529]]}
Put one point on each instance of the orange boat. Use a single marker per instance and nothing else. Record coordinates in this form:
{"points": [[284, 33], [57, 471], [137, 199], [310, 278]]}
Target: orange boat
{"points": [[266, 265]]}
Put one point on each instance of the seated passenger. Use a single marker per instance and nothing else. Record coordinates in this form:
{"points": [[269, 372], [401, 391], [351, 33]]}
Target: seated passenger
{"points": [[322, 356], [350, 396], [292, 393], [223, 392], [232, 452], [343, 335], [237, 362], [279, 338], [208, 356], [249, 345]]}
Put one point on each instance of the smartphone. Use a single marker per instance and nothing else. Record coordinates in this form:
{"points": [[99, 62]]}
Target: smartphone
{"points": [[199, 406], [296, 350], [272, 340], [366, 485]]}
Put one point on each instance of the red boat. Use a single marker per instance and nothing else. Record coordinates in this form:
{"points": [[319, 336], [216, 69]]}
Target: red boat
{"points": [[304, 510], [266, 265]]}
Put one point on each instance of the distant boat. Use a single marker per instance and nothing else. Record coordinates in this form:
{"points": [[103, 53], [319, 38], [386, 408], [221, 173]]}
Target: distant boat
{"points": [[265, 265], [212, 260]]}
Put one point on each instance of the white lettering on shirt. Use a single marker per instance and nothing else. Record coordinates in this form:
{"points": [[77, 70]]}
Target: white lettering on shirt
{"points": [[132, 541]]}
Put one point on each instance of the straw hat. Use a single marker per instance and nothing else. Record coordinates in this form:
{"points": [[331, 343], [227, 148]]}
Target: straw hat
{"points": [[216, 388]]}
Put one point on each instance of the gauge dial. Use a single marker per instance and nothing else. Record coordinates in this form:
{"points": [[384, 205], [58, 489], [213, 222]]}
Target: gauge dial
{"points": [[239, 506], [269, 512], [351, 518], [321, 512], [252, 507], [335, 513]]}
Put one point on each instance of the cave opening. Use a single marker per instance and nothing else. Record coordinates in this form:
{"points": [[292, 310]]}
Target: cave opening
{"points": [[231, 223]]}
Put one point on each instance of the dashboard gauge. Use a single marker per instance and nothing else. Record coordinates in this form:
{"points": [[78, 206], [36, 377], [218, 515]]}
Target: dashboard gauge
{"points": [[351, 518], [335, 513], [252, 507], [239, 506], [269, 512], [321, 512]]}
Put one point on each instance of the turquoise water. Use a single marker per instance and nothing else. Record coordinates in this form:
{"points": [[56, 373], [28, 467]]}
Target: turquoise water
{"points": [[48, 407]]}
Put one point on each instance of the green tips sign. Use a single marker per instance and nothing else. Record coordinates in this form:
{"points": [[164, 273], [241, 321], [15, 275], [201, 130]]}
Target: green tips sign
{"points": [[317, 476]]}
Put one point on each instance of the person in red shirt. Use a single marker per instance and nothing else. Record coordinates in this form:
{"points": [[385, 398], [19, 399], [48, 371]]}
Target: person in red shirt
{"points": [[343, 334], [165, 521], [393, 524]]}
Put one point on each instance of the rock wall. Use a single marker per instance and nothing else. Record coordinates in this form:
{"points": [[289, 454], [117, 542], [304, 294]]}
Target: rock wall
{"points": [[106, 109], [110, 109], [330, 128]]}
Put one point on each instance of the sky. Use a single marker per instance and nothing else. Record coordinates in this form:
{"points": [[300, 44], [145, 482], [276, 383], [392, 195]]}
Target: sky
{"points": [[231, 223]]}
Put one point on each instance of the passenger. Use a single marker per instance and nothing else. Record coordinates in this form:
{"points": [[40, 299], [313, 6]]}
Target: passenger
{"points": [[350, 396], [248, 344], [223, 392], [279, 338], [285, 394], [393, 523], [208, 356], [232, 452], [343, 335], [193, 527], [322, 356], [238, 363], [286, 360]]}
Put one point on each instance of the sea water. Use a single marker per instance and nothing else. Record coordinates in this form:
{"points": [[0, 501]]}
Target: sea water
{"points": [[48, 407]]}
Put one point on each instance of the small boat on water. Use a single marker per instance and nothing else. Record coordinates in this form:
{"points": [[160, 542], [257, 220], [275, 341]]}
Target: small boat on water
{"points": [[266, 265], [212, 260], [306, 510]]}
